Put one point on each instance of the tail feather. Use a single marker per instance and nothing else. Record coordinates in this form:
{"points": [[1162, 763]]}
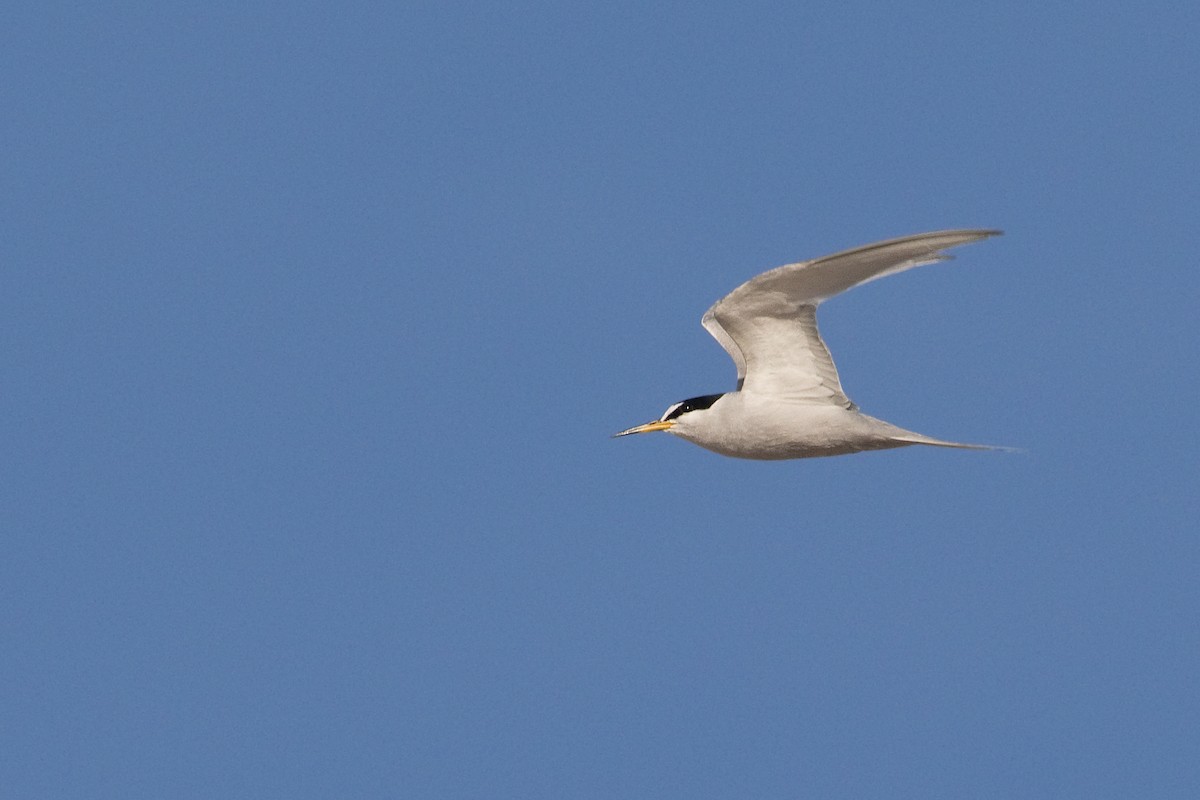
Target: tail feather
{"points": [[916, 438]]}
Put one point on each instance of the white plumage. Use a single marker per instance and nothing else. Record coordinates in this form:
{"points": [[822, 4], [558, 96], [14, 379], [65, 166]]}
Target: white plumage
{"points": [[789, 402]]}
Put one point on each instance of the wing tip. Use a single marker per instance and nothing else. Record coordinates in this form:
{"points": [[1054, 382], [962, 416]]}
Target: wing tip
{"points": [[966, 234]]}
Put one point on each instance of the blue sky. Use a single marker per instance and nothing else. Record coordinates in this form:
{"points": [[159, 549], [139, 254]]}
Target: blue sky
{"points": [[317, 320]]}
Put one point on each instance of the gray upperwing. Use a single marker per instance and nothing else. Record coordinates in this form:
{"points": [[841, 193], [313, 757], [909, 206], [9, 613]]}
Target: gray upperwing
{"points": [[768, 324]]}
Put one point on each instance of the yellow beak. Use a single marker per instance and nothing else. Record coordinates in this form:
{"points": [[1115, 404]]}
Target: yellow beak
{"points": [[649, 427]]}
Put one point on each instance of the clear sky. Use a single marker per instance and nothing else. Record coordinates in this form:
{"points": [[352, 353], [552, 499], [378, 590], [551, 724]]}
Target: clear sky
{"points": [[317, 319]]}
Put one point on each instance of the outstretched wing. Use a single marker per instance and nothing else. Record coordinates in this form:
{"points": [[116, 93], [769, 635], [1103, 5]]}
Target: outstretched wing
{"points": [[768, 325]]}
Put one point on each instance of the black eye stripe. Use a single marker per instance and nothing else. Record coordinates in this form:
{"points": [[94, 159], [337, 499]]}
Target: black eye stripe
{"points": [[693, 404]]}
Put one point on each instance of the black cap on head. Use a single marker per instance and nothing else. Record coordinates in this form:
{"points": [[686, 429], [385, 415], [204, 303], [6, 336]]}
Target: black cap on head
{"points": [[691, 404]]}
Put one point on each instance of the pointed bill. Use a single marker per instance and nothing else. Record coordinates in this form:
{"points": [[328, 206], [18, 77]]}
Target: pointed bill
{"points": [[649, 427]]}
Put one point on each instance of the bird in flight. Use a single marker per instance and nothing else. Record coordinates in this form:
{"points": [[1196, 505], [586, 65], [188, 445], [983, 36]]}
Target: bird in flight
{"points": [[789, 402]]}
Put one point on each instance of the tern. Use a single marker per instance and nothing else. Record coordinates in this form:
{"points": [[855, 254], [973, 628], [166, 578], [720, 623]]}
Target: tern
{"points": [[789, 402]]}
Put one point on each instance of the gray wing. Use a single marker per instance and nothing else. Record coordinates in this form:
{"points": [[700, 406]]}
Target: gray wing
{"points": [[768, 325]]}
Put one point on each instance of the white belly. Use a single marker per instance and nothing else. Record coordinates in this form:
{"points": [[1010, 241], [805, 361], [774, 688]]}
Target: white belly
{"points": [[746, 426]]}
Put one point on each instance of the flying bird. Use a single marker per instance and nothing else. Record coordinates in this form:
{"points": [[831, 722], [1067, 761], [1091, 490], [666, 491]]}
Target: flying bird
{"points": [[789, 402]]}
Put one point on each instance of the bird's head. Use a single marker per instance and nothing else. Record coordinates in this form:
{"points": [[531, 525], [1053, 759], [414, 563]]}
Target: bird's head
{"points": [[679, 416]]}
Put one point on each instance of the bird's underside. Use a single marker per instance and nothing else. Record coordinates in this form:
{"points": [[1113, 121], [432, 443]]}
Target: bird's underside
{"points": [[746, 426]]}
